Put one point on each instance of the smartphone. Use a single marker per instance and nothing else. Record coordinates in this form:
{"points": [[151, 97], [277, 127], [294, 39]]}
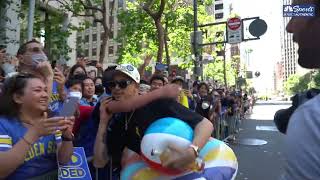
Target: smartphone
{"points": [[53, 64], [185, 86], [69, 106]]}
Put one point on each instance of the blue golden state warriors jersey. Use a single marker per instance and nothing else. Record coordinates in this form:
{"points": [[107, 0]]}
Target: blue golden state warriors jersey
{"points": [[56, 104], [41, 157]]}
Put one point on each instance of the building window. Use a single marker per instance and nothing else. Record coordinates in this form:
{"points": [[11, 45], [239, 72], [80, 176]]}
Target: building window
{"points": [[94, 24], [120, 4], [219, 16], [87, 38], [218, 6], [86, 52], [94, 37], [94, 52], [110, 50], [119, 49], [79, 39]]}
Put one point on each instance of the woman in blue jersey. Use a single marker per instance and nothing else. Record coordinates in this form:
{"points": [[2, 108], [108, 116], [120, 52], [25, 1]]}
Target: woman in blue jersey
{"points": [[29, 144]]}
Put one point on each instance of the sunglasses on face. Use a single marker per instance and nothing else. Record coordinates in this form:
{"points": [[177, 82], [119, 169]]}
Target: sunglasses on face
{"points": [[121, 84]]}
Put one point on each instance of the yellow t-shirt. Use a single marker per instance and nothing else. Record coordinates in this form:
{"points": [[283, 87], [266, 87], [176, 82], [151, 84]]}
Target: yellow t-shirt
{"points": [[183, 99]]}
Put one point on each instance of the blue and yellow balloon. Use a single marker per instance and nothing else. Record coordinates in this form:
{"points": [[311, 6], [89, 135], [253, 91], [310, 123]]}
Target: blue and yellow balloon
{"points": [[220, 161]]}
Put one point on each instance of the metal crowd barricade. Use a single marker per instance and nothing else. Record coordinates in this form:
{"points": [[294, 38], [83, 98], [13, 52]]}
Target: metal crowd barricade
{"points": [[227, 125], [220, 125]]}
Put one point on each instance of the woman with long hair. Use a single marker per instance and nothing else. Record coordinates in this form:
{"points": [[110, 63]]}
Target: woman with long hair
{"points": [[30, 144]]}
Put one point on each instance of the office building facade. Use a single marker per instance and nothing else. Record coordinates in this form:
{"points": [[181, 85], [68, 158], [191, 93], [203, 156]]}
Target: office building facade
{"points": [[89, 41], [289, 51]]}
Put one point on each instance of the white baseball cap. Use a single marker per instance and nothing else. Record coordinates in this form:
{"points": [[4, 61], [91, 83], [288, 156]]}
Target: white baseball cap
{"points": [[130, 71]]}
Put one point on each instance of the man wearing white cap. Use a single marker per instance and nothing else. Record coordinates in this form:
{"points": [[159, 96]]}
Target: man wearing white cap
{"points": [[127, 129]]}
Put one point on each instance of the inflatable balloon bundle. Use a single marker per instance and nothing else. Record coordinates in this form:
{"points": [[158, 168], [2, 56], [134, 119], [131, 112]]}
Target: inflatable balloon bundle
{"points": [[220, 161]]}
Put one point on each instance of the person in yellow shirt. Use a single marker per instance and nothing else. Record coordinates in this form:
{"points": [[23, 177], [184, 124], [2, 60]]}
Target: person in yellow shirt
{"points": [[182, 98]]}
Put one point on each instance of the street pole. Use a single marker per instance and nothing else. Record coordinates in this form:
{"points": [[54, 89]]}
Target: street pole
{"points": [[224, 67], [195, 29], [166, 46], [32, 4]]}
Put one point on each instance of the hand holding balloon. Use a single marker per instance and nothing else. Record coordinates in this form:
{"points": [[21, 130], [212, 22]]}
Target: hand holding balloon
{"points": [[177, 158]]}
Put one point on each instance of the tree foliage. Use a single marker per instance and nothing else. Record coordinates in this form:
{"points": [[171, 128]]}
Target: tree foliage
{"points": [[140, 36], [316, 79], [296, 83], [215, 71], [48, 25]]}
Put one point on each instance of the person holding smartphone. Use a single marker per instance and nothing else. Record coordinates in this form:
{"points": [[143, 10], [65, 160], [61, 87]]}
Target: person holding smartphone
{"points": [[205, 102], [29, 144]]}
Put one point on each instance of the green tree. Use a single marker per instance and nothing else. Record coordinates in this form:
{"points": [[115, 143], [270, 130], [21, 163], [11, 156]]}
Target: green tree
{"points": [[140, 36], [296, 83], [316, 79], [49, 24], [215, 71], [291, 84]]}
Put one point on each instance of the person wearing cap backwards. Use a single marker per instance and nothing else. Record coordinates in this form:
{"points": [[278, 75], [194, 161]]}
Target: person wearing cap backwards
{"points": [[302, 147], [117, 134]]}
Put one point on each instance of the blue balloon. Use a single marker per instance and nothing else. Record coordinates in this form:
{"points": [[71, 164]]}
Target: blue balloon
{"points": [[171, 126]]}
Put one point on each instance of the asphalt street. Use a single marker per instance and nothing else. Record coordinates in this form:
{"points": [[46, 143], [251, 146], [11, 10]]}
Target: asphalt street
{"points": [[260, 162]]}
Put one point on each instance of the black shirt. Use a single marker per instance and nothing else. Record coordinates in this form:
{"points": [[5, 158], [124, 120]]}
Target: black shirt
{"points": [[204, 112], [230, 104], [118, 137]]}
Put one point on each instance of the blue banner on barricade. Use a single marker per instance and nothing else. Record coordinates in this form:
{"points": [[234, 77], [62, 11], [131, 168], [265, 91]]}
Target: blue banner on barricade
{"points": [[77, 168]]}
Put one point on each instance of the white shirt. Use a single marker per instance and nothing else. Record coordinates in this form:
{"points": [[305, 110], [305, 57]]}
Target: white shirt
{"points": [[302, 143]]}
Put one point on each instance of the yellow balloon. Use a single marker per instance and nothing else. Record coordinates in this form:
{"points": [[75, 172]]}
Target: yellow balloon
{"points": [[146, 173]]}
